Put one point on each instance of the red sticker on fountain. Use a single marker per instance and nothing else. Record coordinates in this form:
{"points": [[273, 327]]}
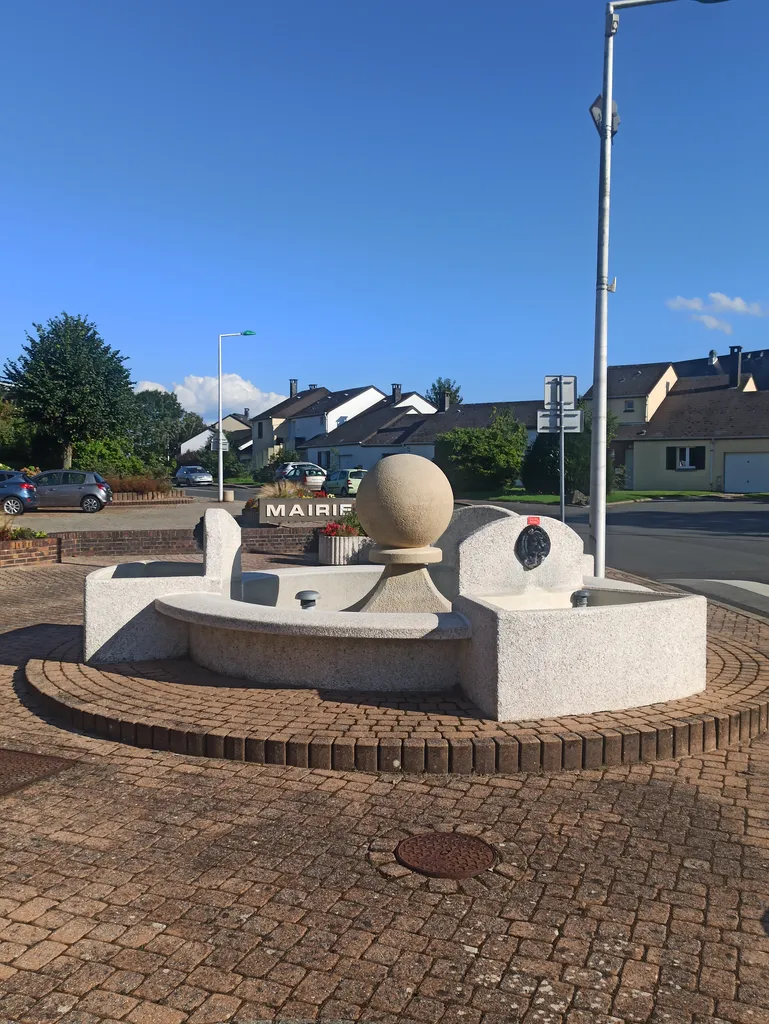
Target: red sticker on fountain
{"points": [[533, 520]]}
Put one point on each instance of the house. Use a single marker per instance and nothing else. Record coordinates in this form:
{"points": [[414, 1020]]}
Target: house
{"points": [[325, 414], [715, 402], [473, 414], [704, 439], [394, 427], [265, 426], [377, 431], [237, 425]]}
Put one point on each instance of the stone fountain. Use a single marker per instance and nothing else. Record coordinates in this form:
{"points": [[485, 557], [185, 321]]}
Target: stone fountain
{"points": [[502, 605]]}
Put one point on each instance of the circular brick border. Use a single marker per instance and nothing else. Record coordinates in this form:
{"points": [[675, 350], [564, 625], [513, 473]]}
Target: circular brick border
{"points": [[144, 705], [510, 865]]}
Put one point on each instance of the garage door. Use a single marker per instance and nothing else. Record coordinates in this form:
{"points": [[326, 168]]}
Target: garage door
{"points": [[746, 474]]}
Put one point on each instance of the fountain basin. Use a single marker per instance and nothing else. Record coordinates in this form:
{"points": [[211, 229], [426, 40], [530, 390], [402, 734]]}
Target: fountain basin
{"points": [[278, 646]]}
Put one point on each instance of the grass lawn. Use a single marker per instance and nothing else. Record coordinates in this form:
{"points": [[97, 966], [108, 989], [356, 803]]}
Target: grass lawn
{"points": [[518, 494], [244, 481]]}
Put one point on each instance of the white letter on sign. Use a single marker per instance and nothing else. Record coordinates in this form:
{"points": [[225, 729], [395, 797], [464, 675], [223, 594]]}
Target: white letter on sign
{"points": [[344, 509], [321, 510], [276, 510], [296, 511]]}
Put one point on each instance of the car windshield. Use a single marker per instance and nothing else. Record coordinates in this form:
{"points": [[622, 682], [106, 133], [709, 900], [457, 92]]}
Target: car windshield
{"points": [[357, 475], [195, 469]]}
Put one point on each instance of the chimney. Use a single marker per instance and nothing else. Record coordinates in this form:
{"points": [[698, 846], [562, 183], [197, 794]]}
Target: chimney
{"points": [[735, 367], [397, 392], [444, 402], [293, 387], [312, 387], [247, 413]]}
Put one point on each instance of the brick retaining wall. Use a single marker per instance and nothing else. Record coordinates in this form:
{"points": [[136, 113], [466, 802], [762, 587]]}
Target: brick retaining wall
{"points": [[28, 552], [265, 540]]}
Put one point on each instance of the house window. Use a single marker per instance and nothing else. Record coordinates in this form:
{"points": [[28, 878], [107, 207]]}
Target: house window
{"points": [[685, 458], [324, 459], [260, 430], [629, 405]]}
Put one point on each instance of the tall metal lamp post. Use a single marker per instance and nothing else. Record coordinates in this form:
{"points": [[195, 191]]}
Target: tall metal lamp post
{"points": [[604, 112], [234, 334]]}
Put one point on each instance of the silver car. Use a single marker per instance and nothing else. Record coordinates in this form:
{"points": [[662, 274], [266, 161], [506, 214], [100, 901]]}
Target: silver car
{"points": [[194, 475], [68, 488]]}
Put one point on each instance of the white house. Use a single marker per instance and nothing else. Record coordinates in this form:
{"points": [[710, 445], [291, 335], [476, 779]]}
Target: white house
{"points": [[235, 423], [378, 431], [326, 414]]}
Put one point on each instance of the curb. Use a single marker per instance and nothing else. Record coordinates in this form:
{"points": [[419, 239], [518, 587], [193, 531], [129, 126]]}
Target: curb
{"points": [[524, 751]]}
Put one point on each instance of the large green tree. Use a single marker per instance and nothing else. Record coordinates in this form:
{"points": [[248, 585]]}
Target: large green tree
{"points": [[476, 458], [159, 425], [70, 384], [441, 385]]}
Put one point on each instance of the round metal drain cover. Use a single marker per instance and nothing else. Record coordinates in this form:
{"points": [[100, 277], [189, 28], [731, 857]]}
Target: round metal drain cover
{"points": [[445, 855]]}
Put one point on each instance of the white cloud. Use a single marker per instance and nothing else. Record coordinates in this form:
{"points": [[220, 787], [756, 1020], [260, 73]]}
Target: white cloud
{"points": [[679, 302], [713, 323], [200, 394], [723, 304]]}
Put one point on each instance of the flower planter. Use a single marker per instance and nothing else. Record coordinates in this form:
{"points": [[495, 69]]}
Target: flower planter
{"points": [[343, 550], [28, 552]]}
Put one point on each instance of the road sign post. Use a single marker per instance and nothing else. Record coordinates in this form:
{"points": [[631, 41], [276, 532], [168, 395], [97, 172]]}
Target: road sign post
{"points": [[560, 416]]}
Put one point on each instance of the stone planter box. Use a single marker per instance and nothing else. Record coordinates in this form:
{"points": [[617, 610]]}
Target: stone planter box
{"points": [[343, 550], [28, 552]]}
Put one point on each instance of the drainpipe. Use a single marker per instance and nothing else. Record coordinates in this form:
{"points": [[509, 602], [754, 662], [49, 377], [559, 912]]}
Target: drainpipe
{"points": [[712, 459]]}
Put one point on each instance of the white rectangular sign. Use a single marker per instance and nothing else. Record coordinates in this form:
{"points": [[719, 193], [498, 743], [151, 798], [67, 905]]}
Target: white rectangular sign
{"points": [[548, 421], [569, 392], [215, 444]]}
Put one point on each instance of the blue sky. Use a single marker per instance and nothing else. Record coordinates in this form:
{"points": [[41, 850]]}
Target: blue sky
{"points": [[382, 191]]}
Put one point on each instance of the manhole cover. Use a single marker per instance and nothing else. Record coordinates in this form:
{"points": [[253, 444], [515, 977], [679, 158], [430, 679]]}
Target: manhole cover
{"points": [[19, 769], [445, 855]]}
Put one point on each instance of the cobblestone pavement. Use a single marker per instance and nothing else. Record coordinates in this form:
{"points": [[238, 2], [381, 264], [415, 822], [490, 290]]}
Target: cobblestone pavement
{"points": [[155, 888]]}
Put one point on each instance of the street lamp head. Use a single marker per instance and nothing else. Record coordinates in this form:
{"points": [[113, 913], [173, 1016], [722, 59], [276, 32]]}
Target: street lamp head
{"points": [[251, 333]]}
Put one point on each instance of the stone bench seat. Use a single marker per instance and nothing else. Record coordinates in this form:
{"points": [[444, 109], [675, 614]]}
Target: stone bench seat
{"points": [[223, 613]]}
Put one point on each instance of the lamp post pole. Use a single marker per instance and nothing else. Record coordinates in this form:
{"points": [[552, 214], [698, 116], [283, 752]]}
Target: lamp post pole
{"points": [[233, 334], [603, 287]]}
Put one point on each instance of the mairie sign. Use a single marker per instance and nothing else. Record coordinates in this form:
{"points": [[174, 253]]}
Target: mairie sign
{"points": [[296, 511]]}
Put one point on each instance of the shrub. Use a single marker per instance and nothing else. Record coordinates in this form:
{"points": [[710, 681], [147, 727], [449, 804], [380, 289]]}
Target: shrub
{"points": [[10, 532], [474, 458], [108, 456], [281, 489], [138, 484]]}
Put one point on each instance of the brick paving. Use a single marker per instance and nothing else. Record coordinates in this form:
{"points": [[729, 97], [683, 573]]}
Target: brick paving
{"points": [[156, 888]]}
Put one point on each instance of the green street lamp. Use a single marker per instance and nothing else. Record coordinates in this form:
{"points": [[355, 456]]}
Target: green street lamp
{"points": [[604, 113], [233, 334]]}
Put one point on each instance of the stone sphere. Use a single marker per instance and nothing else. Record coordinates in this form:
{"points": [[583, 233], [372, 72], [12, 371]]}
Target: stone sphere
{"points": [[405, 501]]}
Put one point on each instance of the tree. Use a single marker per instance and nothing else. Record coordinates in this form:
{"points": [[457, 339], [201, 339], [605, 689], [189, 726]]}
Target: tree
{"points": [[110, 457], [441, 385], [70, 383], [475, 458], [540, 473], [159, 425]]}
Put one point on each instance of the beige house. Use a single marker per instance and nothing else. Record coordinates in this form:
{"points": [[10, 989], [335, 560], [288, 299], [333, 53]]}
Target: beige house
{"points": [[662, 413], [265, 440]]}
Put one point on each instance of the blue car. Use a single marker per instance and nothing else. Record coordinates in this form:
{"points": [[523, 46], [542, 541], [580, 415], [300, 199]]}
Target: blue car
{"points": [[17, 493]]}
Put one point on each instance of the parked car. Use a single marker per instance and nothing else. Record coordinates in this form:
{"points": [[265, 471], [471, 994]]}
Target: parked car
{"points": [[307, 474], [17, 493], [344, 482], [65, 488], [194, 475]]}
